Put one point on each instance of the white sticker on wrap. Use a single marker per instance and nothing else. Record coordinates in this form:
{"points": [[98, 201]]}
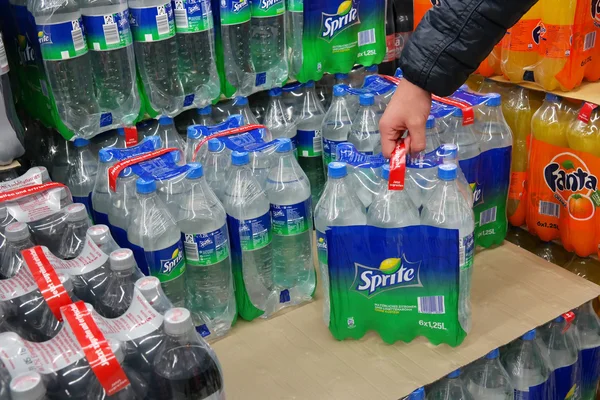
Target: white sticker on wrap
{"points": [[90, 258], [32, 177], [35, 206]]}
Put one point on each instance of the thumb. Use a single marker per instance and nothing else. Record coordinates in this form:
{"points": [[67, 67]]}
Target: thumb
{"points": [[390, 133]]}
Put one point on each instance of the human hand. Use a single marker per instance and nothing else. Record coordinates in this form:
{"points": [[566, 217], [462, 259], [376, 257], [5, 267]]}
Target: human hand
{"points": [[408, 110]]}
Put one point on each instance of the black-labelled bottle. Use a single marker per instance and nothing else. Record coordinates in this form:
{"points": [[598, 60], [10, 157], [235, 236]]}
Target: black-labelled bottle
{"points": [[17, 238], [73, 239]]}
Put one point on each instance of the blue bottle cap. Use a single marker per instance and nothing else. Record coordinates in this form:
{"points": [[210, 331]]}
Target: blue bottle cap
{"points": [[164, 120], [385, 172], [454, 374], [104, 156], [430, 124], [339, 91], [127, 172], [337, 169], [310, 84], [204, 110], [145, 186], [196, 171], [275, 92], [192, 132], [240, 158], [285, 145], [450, 150], [418, 394], [341, 76], [457, 112], [371, 68], [121, 131], [155, 141], [240, 101], [552, 97], [81, 142], [495, 100], [366, 99], [493, 354], [214, 145], [529, 335], [447, 172], [560, 318]]}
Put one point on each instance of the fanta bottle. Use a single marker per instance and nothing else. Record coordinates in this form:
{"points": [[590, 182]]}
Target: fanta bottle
{"points": [[495, 57], [474, 82], [520, 45]]}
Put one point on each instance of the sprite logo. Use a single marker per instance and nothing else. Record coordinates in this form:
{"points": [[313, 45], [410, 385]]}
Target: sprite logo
{"points": [[167, 266], [44, 38], [393, 273], [238, 5], [266, 4], [332, 24]]}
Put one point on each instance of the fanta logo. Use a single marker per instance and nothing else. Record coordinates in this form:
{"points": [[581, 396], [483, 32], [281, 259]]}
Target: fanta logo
{"points": [[560, 178], [435, 2], [167, 266], [237, 6], [266, 4], [393, 273], [332, 24], [44, 38], [596, 12], [536, 33]]}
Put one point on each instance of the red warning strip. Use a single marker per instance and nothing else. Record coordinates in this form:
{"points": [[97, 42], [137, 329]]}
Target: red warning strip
{"points": [[26, 191]]}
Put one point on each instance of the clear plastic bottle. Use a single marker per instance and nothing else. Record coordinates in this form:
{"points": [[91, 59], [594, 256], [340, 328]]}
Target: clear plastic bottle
{"points": [[294, 31], [267, 41], [240, 106], [487, 379], [81, 174], [194, 137], [588, 339], [101, 236], [309, 140], [72, 241], [421, 170], [249, 219], [161, 240], [203, 117], [527, 368], [216, 165], [124, 201], [293, 98], [288, 191], [336, 125], [17, 238], [342, 79], [324, 88], [90, 286], [48, 231], [168, 134], [119, 291], [28, 386], [61, 161], [153, 29], [260, 164], [392, 208], [448, 209], [451, 387], [185, 366], [468, 145], [101, 196], [112, 57], [112, 138], [258, 104], [67, 63], [235, 34], [150, 288], [338, 206], [364, 133], [276, 118], [449, 154], [203, 226]]}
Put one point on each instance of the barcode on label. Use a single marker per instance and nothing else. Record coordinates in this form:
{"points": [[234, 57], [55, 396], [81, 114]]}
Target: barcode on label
{"points": [[3, 60], [78, 41], [181, 18], [462, 256], [191, 251], [111, 33], [317, 144], [550, 209], [366, 37], [488, 216], [162, 24], [431, 305], [590, 41]]}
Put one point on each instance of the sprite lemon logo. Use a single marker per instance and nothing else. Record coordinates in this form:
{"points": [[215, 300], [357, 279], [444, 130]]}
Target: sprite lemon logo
{"points": [[332, 24], [393, 273], [167, 266], [43, 38]]}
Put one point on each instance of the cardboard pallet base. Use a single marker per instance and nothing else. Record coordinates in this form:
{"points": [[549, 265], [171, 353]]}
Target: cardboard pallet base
{"points": [[293, 355]]}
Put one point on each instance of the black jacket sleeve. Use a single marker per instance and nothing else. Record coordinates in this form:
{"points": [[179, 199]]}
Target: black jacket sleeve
{"points": [[453, 38]]}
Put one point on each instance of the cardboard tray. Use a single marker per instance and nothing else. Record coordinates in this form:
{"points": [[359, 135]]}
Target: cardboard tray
{"points": [[588, 91], [293, 355]]}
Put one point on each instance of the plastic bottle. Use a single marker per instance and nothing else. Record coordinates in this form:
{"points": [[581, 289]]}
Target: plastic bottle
{"points": [[486, 379], [288, 191], [450, 156], [260, 164], [342, 79], [448, 209], [101, 236], [418, 394], [17, 238], [48, 231], [235, 34], [168, 134], [118, 294], [61, 161], [364, 133], [309, 140], [293, 98], [294, 31], [527, 368], [28, 386], [388, 65], [216, 165], [404, 24], [249, 220], [240, 106], [276, 119], [184, 365], [338, 206], [267, 41], [67, 62], [588, 339], [203, 117], [101, 198], [112, 138], [203, 226], [81, 174], [161, 240], [451, 387], [72, 241], [421, 170], [392, 208], [112, 57], [149, 287], [583, 136], [153, 29], [491, 193], [124, 201], [336, 125]]}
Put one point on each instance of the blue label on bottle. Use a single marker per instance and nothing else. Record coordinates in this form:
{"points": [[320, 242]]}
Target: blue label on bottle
{"points": [[292, 219], [203, 249], [62, 41], [589, 360], [151, 24], [27, 41], [188, 100], [106, 119], [539, 392], [139, 254], [234, 12], [203, 330], [329, 150], [261, 79], [322, 247], [100, 218], [566, 381], [284, 296], [120, 236], [470, 167], [247, 141], [167, 264], [250, 234], [193, 16], [309, 143], [87, 201], [109, 31]]}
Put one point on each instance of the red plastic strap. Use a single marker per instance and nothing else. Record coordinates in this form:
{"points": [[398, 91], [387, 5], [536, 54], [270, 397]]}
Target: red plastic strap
{"points": [[228, 132], [46, 279], [586, 112], [392, 79], [569, 317], [466, 108], [26, 191], [97, 351], [131, 136], [115, 170], [398, 166]]}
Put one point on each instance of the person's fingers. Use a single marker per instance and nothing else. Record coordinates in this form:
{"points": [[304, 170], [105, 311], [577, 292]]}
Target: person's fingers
{"points": [[388, 129], [416, 131]]}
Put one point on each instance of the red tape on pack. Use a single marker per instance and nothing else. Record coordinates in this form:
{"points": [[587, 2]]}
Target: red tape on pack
{"points": [[398, 165], [26, 191]]}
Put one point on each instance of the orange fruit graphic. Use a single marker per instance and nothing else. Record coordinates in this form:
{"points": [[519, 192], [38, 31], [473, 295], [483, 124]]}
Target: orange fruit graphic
{"points": [[580, 207]]}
